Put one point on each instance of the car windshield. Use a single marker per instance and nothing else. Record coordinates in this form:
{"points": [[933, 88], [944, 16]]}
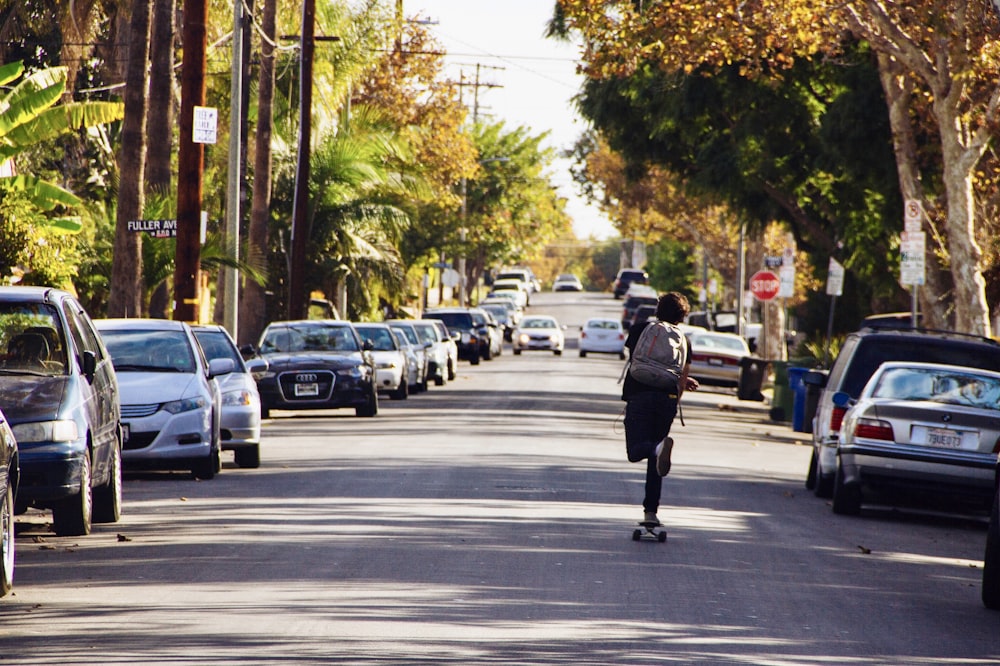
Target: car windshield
{"points": [[460, 321], [30, 335], [311, 337], [408, 334], [946, 385], [426, 333], [144, 350], [216, 344], [381, 337], [718, 342], [538, 323], [603, 323]]}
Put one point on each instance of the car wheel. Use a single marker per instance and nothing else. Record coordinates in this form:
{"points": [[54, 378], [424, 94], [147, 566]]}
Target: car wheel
{"points": [[402, 392], [370, 409], [474, 360], [206, 468], [488, 354], [265, 412], [439, 380], [583, 354], [621, 355], [72, 516], [247, 457], [846, 496], [991, 561], [452, 370], [108, 498], [7, 541], [517, 352], [557, 352], [811, 474]]}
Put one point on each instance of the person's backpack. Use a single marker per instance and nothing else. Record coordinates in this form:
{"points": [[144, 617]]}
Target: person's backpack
{"points": [[659, 355]]}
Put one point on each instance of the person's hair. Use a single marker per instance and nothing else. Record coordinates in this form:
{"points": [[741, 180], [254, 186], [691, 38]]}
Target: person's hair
{"points": [[672, 307]]}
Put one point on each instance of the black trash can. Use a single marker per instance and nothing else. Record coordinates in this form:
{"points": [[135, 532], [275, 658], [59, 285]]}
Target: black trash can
{"points": [[752, 373]]}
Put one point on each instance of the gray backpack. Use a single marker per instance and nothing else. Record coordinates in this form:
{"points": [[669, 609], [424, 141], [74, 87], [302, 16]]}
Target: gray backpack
{"points": [[659, 355]]}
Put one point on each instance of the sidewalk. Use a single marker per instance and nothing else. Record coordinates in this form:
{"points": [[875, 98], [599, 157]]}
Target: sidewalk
{"points": [[756, 415]]}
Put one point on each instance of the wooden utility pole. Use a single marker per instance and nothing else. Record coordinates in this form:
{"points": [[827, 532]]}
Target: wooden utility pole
{"points": [[190, 163], [297, 298]]}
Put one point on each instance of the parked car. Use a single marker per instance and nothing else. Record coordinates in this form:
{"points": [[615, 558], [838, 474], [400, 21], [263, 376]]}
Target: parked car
{"points": [[509, 302], [316, 364], [626, 277], [715, 357], [60, 396], [860, 355], [991, 558], [490, 333], [525, 275], [9, 471], [921, 427], [170, 402], [451, 347], [602, 335], [515, 287], [470, 336], [240, 419], [638, 295], [437, 350], [539, 332], [567, 282], [502, 314], [416, 353], [391, 366], [642, 314]]}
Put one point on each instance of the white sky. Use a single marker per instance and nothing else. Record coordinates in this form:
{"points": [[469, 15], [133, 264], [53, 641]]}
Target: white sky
{"points": [[536, 78]]}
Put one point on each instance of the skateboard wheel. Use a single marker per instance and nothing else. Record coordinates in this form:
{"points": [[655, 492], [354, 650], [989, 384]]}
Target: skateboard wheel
{"points": [[661, 537], [636, 535]]}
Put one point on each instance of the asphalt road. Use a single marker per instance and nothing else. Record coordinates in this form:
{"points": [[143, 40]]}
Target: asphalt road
{"points": [[489, 521]]}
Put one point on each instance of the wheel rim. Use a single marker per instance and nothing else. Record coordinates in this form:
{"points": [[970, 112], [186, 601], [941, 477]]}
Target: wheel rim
{"points": [[7, 538]]}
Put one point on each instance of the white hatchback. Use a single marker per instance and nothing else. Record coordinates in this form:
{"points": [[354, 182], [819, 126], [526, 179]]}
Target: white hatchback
{"points": [[171, 404], [602, 335]]}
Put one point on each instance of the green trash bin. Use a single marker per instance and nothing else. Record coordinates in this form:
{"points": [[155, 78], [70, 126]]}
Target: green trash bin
{"points": [[783, 399]]}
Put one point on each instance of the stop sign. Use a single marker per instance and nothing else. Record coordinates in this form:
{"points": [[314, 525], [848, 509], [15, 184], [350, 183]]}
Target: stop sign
{"points": [[764, 285]]}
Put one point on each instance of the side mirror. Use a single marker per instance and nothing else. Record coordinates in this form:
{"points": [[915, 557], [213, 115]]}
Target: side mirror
{"points": [[367, 345], [842, 399], [220, 366], [89, 365], [257, 366], [248, 352]]}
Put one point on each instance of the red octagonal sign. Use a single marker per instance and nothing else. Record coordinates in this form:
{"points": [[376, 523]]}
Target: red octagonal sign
{"points": [[764, 285]]}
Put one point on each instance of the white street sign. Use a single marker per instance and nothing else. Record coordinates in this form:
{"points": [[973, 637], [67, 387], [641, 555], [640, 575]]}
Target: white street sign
{"points": [[206, 120], [912, 246], [786, 275], [834, 279], [913, 213]]}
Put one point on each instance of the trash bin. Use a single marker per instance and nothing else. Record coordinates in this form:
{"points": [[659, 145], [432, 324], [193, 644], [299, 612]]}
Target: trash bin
{"points": [[798, 389], [752, 371], [782, 400], [814, 380]]}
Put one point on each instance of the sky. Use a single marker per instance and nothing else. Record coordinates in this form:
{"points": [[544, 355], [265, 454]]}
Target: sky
{"points": [[532, 79]]}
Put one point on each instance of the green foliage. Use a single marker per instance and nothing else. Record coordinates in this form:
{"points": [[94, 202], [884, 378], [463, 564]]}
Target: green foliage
{"points": [[31, 250], [672, 266]]}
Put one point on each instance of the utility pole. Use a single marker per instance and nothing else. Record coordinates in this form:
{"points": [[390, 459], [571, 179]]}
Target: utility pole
{"points": [[190, 162], [300, 206], [230, 313]]}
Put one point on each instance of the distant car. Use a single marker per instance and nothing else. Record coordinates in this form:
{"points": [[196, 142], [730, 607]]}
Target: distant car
{"points": [[515, 287], [502, 314], [472, 338], [602, 335], [642, 314], [437, 349], [523, 274], [508, 301], [391, 366], [567, 282], [715, 357], [921, 427], [491, 333], [9, 471], [240, 419], [626, 277], [539, 332], [639, 295], [316, 364], [416, 353], [171, 404], [60, 396]]}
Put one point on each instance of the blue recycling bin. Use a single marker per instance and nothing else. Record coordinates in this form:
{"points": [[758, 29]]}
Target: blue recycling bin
{"points": [[798, 388]]}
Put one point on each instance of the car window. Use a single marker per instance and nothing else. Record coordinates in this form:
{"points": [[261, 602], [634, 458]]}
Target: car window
{"points": [[381, 338], [215, 344], [943, 385], [456, 320], [138, 350], [407, 333], [426, 333], [31, 338], [309, 337]]}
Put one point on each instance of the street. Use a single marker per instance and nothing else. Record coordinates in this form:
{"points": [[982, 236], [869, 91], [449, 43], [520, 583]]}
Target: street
{"points": [[490, 521]]}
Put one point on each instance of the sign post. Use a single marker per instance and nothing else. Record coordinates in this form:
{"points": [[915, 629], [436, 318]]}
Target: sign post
{"points": [[834, 288]]}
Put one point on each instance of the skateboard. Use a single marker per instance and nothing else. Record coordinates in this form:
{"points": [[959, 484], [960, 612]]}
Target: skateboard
{"points": [[649, 531]]}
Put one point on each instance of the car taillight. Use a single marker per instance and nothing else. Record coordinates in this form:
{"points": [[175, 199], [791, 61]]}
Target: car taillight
{"points": [[873, 429], [836, 418], [583, 334], [621, 336]]}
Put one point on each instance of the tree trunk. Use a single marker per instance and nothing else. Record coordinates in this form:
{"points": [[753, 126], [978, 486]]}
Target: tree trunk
{"points": [[253, 314], [161, 98], [126, 269]]}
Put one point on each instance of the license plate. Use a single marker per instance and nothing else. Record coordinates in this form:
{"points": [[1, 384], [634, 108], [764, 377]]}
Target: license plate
{"points": [[944, 438], [306, 390], [715, 361]]}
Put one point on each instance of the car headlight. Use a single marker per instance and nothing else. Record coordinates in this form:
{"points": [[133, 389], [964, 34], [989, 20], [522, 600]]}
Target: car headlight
{"points": [[357, 371], [523, 339], [241, 398], [386, 365], [185, 405], [46, 431]]}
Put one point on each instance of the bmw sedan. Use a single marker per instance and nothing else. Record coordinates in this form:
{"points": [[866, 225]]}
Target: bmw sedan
{"points": [[170, 401], [316, 364], [715, 357], [919, 427]]}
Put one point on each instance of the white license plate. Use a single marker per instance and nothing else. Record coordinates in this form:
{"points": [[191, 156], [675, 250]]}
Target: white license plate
{"points": [[944, 438], [715, 361], [306, 390]]}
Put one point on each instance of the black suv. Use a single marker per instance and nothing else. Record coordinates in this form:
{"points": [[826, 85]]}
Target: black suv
{"points": [[862, 353], [60, 394], [626, 277], [469, 328]]}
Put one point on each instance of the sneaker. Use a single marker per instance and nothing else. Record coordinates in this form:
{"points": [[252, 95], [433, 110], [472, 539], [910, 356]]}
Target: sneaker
{"points": [[650, 517], [663, 458]]}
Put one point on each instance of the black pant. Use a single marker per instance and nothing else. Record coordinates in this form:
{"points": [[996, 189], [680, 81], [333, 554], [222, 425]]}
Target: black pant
{"points": [[648, 417]]}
